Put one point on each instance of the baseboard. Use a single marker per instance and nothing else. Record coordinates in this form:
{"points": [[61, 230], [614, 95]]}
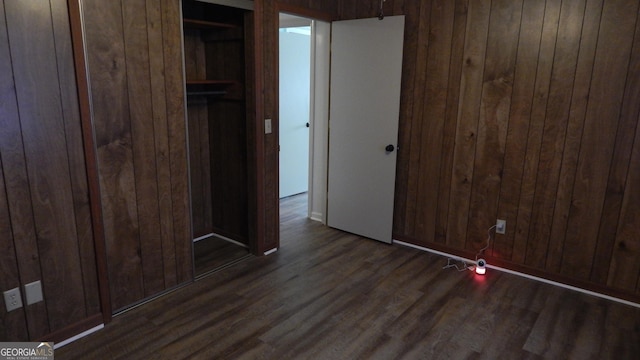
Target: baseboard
{"points": [[517, 273], [316, 216]]}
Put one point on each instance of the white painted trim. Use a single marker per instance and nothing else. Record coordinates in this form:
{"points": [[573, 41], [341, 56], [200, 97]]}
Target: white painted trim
{"points": [[77, 337], [547, 281], [220, 237], [319, 131], [316, 216], [240, 4], [203, 237], [269, 252]]}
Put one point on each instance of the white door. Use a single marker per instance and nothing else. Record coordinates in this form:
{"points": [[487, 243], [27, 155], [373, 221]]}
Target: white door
{"points": [[295, 76], [366, 65]]}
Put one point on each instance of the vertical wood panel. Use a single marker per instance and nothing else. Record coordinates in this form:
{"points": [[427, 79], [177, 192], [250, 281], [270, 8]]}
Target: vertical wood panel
{"points": [[174, 83], [554, 131], [42, 125], [46, 213], [271, 155], [610, 69], [417, 120], [13, 325], [621, 165], [519, 116], [142, 138], [75, 149], [573, 136], [468, 114], [437, 70], [12, 204], [534, 139], [135, 62], [624, 271], [159, 109], [502, 45], [450, 125], [110, 96], [409, 65]]}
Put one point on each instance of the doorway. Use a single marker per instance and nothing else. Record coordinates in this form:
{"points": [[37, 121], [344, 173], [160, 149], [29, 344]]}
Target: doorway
{"points": [[294, 94], [316, 134]]}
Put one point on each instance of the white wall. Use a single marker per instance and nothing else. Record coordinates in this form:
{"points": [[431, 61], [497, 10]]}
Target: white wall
{"points": [[295, 78]]}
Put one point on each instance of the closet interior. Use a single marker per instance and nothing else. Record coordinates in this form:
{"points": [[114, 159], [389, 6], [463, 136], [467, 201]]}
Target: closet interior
{"points": [[217, 69]]}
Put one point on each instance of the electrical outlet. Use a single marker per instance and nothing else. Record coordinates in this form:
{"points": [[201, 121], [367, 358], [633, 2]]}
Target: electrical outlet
{"points": [[501, 226], [33, 292], [12, 299]]}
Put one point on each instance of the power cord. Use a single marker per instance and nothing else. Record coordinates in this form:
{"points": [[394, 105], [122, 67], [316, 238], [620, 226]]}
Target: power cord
{"points": [[462, 265]]}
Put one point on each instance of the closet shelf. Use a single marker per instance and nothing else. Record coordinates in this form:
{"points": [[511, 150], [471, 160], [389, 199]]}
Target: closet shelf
{"points": [[207, 25], [210, 87]]}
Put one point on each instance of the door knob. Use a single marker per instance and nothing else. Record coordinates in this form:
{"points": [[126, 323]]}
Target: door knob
{"points": [[389, 148]]}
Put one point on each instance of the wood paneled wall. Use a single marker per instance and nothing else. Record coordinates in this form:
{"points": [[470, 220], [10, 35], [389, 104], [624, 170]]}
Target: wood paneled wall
{"points": [[528, 111], [46, 230], [135, 64]]}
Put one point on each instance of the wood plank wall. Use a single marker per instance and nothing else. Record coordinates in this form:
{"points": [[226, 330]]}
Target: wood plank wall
{"points": [[46, 230], [528, 111], [135, 65]]}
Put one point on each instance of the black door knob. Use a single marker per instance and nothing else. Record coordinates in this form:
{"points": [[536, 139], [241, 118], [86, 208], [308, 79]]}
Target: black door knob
{"points": [[389, 148]]}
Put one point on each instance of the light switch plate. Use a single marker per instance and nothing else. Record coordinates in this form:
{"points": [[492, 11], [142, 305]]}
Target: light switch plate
{"points": [[12, 299], [267, 126], [33, 292]]}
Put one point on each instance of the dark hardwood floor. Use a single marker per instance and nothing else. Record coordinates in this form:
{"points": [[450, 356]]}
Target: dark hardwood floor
{"points": [[213, 253], [330, 295]]}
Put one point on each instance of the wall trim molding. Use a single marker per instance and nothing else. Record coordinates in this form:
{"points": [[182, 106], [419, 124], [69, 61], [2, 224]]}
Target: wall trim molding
{"points": [[536, 278]]}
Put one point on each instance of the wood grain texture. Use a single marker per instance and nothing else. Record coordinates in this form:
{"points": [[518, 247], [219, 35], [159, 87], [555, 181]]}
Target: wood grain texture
{"points": [[14, 324], [42, 126], [467, 122], [431, 137], [161, 138], [416, 112], [522, 247], [580, 96], [621, 165], [554, 131], [594, 161], [177, 137], [555, 173], [142, 133], [519, 122], [331, 295], [271, 155], [135, 64], [107, 68], [497, 88], [451, 116], [75, 143], [46, 211]]}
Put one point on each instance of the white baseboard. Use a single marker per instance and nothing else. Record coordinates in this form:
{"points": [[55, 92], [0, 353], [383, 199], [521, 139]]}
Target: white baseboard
{"points": [[220, 237], [77, 337], [547, 281], [269, 252], [316, 216]]}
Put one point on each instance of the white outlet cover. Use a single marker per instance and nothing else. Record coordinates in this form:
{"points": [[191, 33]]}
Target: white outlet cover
{"points": [[12, 299], [33, 292]]}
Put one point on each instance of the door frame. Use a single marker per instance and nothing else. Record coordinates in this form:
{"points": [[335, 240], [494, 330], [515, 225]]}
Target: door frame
{"points": [[318, 105]]}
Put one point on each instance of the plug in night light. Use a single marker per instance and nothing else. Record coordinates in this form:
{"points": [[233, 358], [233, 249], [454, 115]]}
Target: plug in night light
{"points": [[480, 267]]}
